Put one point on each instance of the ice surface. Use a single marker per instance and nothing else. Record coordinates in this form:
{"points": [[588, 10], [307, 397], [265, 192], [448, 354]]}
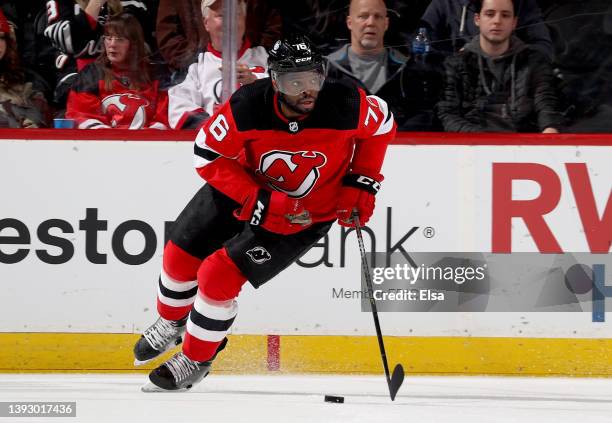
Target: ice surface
{"points": [[293, 399]]}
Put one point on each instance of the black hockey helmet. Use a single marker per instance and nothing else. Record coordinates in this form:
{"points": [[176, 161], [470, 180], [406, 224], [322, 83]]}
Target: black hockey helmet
{"points": [[294, 53]]}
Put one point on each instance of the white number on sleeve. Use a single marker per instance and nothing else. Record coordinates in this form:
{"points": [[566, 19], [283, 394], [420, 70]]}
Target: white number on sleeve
{"points": [[371, 112], [219, 128]]}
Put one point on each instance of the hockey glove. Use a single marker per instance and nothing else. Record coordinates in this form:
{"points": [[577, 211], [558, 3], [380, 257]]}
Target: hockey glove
{"points": [[357, 194], [275, 211]]}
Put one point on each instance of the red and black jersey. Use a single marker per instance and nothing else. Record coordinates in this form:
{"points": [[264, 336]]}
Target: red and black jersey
{"points": [[92, 106], [248, 144]]}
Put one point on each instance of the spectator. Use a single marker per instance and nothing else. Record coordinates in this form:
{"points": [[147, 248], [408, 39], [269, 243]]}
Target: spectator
{"points": [[35, 50], [498, 83], [21, 106], [195, 99], [118, 90], [75, 28], [451, 23], [411, 87], [325, 21], [181, 35]]}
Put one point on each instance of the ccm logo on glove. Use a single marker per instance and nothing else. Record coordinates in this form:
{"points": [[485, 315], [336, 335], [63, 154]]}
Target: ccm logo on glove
{"points": [[367, 183], [258, 213], [357, 194], [275, 212]]}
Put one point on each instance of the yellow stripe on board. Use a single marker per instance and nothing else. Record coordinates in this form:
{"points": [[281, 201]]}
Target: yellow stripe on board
{"points": [[76, 352], [449, 355], [106, 352]]}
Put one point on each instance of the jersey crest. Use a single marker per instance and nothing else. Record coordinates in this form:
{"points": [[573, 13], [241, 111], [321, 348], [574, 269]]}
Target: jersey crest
{"points": [[258, 255], [125, 109], [294, 173]]}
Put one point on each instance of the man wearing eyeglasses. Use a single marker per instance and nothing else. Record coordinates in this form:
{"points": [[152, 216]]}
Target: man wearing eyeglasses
{"points": [[283, 159]]}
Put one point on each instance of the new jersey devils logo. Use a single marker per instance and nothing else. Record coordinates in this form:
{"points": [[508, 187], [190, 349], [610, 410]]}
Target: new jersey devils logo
{"points": [[126, 110], [258, 255], [295, 174]]}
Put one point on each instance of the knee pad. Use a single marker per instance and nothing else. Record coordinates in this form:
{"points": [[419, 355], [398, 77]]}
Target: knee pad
{"points": [[218, 277], [180, 265]]}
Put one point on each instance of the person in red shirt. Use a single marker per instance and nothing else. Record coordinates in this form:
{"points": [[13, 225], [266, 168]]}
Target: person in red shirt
{"points": [[282, 159], [118, 90], [75, 29]]}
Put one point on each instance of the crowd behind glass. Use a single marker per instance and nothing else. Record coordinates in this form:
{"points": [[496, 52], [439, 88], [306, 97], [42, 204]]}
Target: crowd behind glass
{"points": [[157, 63]]}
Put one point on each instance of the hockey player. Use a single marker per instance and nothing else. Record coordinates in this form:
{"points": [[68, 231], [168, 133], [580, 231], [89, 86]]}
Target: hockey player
{"points": [[283, 159]]}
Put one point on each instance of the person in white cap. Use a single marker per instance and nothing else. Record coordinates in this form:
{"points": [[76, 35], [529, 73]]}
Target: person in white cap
{"points": [[198, 96]]}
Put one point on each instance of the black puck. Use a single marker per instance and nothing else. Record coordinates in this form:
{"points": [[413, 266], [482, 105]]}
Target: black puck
{"points": [[332, 398]]}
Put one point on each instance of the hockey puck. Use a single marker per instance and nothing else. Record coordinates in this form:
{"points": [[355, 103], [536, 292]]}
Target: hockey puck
{"points": [[332, 398]]}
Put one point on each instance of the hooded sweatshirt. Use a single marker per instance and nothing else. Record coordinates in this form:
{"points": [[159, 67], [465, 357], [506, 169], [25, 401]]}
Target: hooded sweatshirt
{"points": [[513, 92], [451, 23]]}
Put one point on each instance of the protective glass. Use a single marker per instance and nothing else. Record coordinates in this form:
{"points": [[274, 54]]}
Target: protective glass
{"points": [[295, 83]]}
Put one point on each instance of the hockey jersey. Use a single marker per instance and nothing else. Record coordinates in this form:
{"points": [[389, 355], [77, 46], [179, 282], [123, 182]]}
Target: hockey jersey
{"points": [[193, 100], [249, 144], [92, 106]]}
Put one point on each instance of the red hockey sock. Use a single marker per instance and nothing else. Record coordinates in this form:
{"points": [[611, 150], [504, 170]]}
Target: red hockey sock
{"points": [[215, 307], [177, 283]]}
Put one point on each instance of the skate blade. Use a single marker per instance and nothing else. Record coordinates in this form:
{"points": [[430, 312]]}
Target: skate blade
{"points": [[140, 363], [151, 387]]}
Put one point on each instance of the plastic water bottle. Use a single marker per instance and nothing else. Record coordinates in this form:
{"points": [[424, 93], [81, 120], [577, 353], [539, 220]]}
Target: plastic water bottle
{"points": [[421, 44]]}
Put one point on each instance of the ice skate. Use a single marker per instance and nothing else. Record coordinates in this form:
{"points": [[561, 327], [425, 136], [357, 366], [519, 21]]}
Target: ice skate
{"points": [[179, 373], [158, 338]]}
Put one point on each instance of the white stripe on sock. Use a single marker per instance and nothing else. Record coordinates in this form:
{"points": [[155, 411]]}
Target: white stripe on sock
{"points": [[174, 302], [217, 310], [204, 334], [174, 285]]}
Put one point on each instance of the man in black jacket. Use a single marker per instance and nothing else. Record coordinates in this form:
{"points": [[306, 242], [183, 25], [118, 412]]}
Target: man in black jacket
{"points": [[498, 83], [411, 87], [451, 24]]}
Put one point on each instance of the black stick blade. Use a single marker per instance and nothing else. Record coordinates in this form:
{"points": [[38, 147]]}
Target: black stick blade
{"points": [[397, 378]]}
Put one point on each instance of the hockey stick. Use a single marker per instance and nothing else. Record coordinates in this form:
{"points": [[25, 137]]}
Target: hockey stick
{"points": [[397, 378]]}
